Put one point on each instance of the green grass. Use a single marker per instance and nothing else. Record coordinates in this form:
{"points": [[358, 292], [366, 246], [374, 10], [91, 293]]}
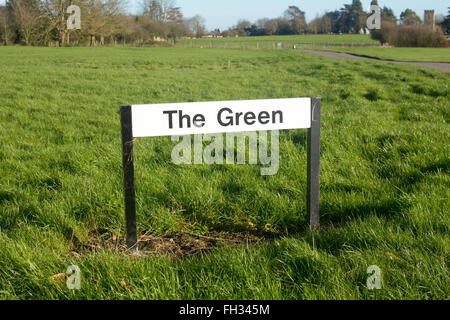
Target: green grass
{"points": [[271, 42], [384, 182], [401, 54]]}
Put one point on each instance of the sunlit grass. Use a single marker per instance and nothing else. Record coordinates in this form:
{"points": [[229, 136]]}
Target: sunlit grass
{"points": [[384, 181]]}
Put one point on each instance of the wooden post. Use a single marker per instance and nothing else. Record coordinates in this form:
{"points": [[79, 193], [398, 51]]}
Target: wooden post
{"points": [[128, 174], [313, 189]]}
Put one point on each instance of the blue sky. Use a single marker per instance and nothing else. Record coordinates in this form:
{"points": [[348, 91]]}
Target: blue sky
{"points": [[225, 13]]}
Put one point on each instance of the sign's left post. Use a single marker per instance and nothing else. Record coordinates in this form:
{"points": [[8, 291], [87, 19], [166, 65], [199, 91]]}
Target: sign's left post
{"points": [[128, 175]]}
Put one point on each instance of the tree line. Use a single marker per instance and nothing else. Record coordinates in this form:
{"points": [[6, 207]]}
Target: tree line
{"points": [[351, 18], [44, 22]]}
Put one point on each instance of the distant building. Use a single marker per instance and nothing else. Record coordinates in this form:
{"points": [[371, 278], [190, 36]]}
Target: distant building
{"points": [[216, 34], [430, 19]]}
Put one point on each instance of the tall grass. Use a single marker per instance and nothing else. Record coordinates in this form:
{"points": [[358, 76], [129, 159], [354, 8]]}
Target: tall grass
{"points": [[384, 182]]}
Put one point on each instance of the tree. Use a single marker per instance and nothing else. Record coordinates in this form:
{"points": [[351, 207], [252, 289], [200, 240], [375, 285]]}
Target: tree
{"points": [[314, 25], [353, 17], [160, 18], [260, 23], [445, 24], [387, 15], [333, 19], [197, 25], [152, 10], [174, 15], [110, 15], [242, 26], [166, 20], [284, 26], [5, 25], [177, 26], [409, 17], [410, 36], [440, 18], [158, 10], [54, 13], [326, 25], [94, 21], [296, 18], [26, 15], [271, 27], [254, 31]]}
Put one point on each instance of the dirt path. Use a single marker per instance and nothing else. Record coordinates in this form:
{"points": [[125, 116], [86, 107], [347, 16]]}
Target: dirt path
{"points": [[346, 56]]}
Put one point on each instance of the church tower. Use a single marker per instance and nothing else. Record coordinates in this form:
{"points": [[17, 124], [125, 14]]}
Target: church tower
{"points": [[430, 19]]}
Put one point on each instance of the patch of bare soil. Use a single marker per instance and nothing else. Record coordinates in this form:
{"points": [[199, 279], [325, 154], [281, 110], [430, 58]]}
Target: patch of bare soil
{"points": [[176, 245]]}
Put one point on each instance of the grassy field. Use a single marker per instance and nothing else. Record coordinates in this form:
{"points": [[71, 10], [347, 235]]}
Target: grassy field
{"points": [[271, 42], [401, 54], [385, 178]]}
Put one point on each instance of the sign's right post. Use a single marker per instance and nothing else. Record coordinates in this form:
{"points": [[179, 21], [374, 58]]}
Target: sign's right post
{"points": [[313, 189]]}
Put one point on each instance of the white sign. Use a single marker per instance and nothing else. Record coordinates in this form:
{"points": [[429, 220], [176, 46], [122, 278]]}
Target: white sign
{"points": [[177, 119]]}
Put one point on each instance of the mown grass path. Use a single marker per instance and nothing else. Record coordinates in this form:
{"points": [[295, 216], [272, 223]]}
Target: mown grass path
{"points": [[348, 56], [400, 54]]}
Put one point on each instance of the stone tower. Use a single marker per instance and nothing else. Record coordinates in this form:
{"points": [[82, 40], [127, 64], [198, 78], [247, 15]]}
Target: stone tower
{"points": [[430, 19]]}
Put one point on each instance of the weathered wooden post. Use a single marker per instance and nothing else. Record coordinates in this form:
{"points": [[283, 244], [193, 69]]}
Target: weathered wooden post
{"points": [[128, 174], [313, 191]]}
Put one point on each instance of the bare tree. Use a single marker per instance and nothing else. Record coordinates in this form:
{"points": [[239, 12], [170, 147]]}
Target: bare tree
{"points": [[55, 14], [242, 26], [197, 25], [271, 26], [410, 17], [261, 23], [5, 28], [158, 10], [296, 19], [314, 25], [325, 24], [26, 15], [101, 19], [177, 27], [112, 12]]}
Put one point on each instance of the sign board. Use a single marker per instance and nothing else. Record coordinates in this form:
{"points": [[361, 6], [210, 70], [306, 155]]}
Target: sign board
{"points": [[220, 117]]}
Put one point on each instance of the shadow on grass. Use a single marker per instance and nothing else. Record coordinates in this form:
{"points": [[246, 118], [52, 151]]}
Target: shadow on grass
{"points": [[298, 137], [334, 216], [188, 244], [337, 216]]}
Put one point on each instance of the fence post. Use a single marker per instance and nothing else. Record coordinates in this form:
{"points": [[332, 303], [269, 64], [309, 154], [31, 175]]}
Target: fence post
{"points": [[313, 189], [128, 175]]}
